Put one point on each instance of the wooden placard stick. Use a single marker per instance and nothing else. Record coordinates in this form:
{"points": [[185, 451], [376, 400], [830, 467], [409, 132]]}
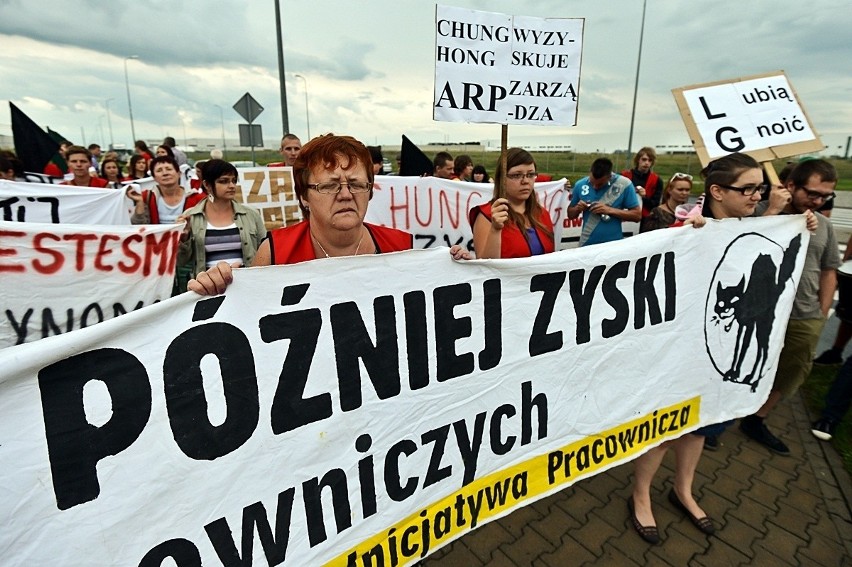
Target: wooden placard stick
{"points": [[504, 141], [774, 180]]}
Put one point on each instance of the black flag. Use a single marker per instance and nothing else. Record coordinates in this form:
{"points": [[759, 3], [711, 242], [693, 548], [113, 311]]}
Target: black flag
{"points": [[35, 148], [414, 162]]}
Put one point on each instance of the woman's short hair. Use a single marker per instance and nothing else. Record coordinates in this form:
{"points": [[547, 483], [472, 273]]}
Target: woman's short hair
{"points": [[213, 169], [162, 159], [328, 152]]}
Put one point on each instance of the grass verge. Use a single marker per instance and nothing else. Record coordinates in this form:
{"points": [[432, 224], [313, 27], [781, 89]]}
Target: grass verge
{"points": [[814, 390]]}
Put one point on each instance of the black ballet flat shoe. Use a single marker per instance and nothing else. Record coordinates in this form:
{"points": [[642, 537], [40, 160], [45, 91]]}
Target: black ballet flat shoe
{"points": [[704, 524], [648, 533]]}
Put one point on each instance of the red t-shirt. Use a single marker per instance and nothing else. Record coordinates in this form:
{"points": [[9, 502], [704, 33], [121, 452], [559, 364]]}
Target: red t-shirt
{"points": [[98, 182]]}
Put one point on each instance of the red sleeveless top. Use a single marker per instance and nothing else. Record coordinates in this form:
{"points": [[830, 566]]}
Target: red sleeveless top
{"points": [[512, 242], [292, 244]]}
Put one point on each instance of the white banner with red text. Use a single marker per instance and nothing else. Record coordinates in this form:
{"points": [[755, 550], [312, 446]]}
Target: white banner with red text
{"points": [[61, 277], [369, 410]]}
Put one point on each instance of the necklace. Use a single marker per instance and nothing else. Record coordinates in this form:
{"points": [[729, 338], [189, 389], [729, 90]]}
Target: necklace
{"points": [[327, 255]]}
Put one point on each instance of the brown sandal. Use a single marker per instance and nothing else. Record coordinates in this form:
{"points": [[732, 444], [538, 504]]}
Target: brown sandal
{"points": [[648, 533], [704, 524]]}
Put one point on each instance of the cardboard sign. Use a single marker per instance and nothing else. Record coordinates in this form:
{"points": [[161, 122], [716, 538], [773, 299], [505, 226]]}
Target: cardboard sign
{"points": [[269, 190], [758, 115], [369, 410], [503, 69]]}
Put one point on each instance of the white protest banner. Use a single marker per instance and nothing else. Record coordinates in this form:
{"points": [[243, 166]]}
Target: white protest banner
{"points": [[61, 277], [46, 203], [435, 210], [368, 410], [270, 190], [758, 115], [34, 177], [503, 69]]}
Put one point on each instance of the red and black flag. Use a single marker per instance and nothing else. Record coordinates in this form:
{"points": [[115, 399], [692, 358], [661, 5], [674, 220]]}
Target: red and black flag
{"points": [[35, 148]]}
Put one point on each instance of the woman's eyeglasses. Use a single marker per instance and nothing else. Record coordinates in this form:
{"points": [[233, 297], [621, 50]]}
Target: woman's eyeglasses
{"points": [[519, 176], [334, 187], [680, 175], [748, 190]]}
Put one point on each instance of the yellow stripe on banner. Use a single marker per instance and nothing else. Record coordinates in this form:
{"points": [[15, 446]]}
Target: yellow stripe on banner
{"points": [[437, 524]]}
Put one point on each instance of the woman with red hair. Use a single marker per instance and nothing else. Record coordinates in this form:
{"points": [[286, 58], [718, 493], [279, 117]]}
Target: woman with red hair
{"points": [[333, 178]]}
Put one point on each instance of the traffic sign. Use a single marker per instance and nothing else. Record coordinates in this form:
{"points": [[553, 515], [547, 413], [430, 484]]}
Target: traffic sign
{"points": [[251, 136], [248, 108]]}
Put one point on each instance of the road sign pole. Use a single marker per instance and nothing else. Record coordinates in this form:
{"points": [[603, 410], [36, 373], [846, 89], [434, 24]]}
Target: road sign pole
{"points": [[251, 143]]}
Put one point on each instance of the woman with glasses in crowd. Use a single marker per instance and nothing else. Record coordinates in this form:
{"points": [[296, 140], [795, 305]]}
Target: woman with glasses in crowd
{"points": [[676, 193], [333, 178], [733, 186], [513, 224], [220, 229]]}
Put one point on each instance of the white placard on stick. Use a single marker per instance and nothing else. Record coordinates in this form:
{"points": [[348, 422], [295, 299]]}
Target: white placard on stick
{"points": [[758, 115], [503, 69]]}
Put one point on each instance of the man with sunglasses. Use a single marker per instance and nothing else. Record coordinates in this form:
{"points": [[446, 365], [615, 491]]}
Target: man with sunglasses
{"points": [[810, 185]]}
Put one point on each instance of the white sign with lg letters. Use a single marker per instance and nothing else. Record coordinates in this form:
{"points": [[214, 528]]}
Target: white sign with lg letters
{"points": [[747, 115]]}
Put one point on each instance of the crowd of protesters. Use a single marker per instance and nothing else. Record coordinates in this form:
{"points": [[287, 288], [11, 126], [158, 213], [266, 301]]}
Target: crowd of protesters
{"points": [[334, 178]]}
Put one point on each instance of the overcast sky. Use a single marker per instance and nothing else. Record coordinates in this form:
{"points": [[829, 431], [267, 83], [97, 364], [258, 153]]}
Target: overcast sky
{"points": [[369, 66]]}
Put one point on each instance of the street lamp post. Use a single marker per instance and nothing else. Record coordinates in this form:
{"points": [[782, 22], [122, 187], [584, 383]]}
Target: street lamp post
{"points": [[109, 123], [222, 120], [285, 121], [307, 113], [636, 84], [129, 105]]}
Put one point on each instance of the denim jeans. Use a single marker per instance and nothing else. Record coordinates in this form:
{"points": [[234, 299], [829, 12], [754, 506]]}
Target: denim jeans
{"points": [[839, 395]]}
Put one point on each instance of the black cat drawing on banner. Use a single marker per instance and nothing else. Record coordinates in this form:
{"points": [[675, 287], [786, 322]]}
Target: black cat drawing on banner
{"points": [[741, 311]]}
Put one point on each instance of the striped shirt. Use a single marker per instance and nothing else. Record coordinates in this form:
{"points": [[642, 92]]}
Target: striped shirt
{"points": [[222, 244]]}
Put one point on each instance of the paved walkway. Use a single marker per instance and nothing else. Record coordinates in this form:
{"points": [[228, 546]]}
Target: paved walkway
{"points": [[769, 510]]}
